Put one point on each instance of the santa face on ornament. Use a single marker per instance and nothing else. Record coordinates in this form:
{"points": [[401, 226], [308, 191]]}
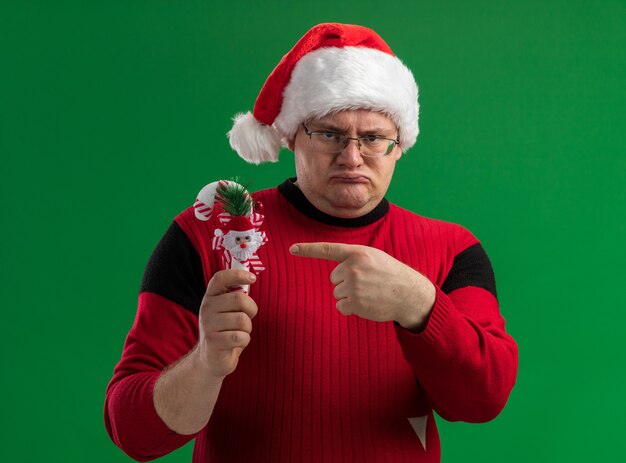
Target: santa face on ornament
{"points": [[242, 244]]}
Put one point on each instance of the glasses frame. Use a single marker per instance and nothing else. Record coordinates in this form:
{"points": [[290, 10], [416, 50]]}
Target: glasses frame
{"points": [[346, 139]]}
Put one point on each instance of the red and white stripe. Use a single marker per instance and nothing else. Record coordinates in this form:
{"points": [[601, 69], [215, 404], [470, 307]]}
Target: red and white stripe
{"points": [[203, 206], [254, 264], [203, 211]]}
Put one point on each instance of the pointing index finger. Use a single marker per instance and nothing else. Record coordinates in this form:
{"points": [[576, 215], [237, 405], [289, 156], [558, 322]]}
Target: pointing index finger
{"points": [[337, 252]]}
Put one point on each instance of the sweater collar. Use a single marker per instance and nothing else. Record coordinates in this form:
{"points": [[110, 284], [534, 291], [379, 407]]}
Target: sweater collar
{"points": [[294, 195]]}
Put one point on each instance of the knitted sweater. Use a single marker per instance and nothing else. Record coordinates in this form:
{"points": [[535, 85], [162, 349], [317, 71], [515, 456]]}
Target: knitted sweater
{"points": [[314, 385]]}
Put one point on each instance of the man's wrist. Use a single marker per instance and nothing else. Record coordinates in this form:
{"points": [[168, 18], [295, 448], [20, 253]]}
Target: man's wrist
{"points": [[414, 322], [416, 318], [203, 366]]}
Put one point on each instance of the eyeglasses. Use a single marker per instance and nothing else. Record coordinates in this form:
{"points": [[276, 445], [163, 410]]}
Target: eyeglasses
{"points": [[373, 146]]}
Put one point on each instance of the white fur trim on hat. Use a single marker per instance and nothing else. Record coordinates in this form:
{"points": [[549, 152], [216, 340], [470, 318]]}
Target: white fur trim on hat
{"points": [[333, 79], [255, 142]]}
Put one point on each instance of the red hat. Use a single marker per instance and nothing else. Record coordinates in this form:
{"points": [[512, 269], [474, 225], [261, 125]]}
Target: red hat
{"points": [[239, 223], [331, 68]]}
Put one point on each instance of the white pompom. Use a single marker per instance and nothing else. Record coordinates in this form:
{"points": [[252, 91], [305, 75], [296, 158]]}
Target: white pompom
{"points": [[218, 232], [255, 142]]}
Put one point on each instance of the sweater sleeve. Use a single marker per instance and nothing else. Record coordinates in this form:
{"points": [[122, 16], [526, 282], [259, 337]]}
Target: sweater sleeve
{"points": [[464, 358], [164, 330]]}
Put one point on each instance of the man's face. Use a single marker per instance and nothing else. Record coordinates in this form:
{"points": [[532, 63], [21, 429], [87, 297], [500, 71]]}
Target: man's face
{"points": [[347, 184]]}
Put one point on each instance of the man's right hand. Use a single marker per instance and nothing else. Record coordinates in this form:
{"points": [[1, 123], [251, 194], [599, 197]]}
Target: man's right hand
{"points": [[225, 321]]}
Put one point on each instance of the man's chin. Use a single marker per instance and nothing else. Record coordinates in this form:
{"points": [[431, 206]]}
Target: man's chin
{"points": [[350, 207]]}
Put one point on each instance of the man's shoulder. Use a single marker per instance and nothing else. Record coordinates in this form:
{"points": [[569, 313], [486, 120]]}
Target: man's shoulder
{"points": [[439, 224], [265, 194], [457, 235]]}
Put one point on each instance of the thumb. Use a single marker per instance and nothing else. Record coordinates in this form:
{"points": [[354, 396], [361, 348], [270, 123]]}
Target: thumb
{"points": [[222, 281]]}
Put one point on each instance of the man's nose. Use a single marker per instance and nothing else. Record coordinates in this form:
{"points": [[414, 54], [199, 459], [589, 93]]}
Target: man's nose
{"points": [[350, 155]]}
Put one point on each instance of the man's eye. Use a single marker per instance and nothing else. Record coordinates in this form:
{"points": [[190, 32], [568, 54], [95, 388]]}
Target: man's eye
{"points": [[330, 136], [237, 239], [372, 139], [247, 237]]}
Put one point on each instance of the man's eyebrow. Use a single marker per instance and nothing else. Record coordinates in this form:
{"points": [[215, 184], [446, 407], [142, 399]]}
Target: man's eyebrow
{"points": [[335, 128], [377, 131], [328, 126]]}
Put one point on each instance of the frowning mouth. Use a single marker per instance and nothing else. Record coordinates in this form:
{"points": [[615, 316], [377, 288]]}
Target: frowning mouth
{"points": [[349, 178]]}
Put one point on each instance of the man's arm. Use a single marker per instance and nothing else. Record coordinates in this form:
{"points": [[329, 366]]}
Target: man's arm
{"points": [[162, 333], [163, 346], [464, 359], [185, 394], [456, 343], [465, 333]]}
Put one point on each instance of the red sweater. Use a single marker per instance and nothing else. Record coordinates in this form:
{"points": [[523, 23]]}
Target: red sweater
{"points": [[315, 385]]}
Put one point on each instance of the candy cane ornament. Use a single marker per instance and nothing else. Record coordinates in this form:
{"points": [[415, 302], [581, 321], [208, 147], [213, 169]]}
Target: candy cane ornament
{"points": [[240, 238]]}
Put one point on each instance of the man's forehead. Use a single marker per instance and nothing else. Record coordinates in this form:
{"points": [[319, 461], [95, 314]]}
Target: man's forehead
{"points": [[364, 119]]}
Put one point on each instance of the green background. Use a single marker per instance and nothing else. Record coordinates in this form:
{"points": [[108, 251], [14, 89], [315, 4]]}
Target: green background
{"points": [[113, 116]]}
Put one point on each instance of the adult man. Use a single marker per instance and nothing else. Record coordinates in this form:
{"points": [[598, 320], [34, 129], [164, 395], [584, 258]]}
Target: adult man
{"points": [[367, 318]]}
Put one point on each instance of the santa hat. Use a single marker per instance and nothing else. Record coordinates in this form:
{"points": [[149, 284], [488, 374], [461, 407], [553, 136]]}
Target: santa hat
{"points": [[239, 223], [332, 67]]}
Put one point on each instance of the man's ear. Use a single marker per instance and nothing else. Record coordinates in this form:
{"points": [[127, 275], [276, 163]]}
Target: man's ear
{"points": [[291, 144]]}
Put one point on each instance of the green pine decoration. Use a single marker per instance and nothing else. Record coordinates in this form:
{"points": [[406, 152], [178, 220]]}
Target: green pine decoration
{"points": [[235, 198]]}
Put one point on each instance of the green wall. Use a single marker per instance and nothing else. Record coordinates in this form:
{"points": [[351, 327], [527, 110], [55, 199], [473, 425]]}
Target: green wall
{"points": [[113, 115]]}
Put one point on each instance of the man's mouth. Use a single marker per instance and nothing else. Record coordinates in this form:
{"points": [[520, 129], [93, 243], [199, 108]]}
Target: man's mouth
{"points": [[349, 178]]}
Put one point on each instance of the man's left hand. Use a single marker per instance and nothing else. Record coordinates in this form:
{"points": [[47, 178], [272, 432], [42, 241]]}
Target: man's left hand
{"points": [[373, 285]]}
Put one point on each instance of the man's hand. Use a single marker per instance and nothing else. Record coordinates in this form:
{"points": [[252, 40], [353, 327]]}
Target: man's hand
{"points": [[373, 285], [225, 321]]}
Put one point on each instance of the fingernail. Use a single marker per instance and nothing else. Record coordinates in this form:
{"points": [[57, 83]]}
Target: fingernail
{"points": [[295, 249], [252, 277]]}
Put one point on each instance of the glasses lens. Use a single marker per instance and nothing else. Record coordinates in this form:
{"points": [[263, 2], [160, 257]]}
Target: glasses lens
{"points": [[376, 146], [328, 142]]}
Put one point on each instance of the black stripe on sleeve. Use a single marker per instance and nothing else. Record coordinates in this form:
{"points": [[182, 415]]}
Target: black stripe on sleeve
{"points": [[471, 268], [174, 270]]}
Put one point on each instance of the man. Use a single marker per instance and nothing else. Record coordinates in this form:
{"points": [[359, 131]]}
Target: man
{"points": [[367, 318]]}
